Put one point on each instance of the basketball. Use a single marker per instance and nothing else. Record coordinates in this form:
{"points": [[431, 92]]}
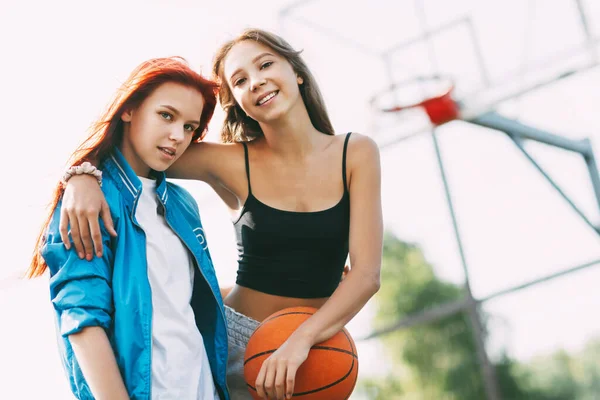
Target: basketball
{"points": [[329, 372]]}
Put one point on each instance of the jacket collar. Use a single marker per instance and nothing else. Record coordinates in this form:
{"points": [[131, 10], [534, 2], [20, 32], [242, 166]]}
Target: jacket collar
{"points": [[127, 181]]}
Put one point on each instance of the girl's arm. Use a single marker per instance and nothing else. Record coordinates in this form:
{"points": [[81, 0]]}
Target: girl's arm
{"points": [[98, 364], [84, 203], [199, 161], [276, 377], [366, 244], [225, 291], [81, 293]]}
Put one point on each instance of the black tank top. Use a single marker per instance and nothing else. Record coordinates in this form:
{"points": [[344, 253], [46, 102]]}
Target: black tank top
{"points": [[292, 254]]}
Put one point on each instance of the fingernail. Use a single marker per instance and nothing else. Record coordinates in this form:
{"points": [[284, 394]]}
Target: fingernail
{"points": [[88, 257], [80, 254], [99, 254]]}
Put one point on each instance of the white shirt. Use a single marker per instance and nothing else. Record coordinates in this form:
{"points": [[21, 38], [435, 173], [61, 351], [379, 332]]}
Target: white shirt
{"points": [[180, 367]]}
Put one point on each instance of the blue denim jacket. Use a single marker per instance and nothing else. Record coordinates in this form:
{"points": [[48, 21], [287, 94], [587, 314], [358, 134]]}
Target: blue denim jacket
{"points": [[113, 291]]}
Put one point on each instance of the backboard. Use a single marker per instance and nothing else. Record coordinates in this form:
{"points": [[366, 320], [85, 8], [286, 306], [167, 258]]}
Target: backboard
{"points": [[493, 51]]}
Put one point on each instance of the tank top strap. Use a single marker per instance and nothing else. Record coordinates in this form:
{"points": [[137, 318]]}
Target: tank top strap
{"points": [[247, 167], [344, 162]]}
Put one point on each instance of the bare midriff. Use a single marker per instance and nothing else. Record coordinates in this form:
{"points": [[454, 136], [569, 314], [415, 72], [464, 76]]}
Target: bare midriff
{"points": [[258, 305]]}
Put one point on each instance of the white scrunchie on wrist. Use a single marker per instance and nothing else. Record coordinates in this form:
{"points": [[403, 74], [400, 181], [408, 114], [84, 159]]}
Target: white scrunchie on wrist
{"points": [[84, 169]]}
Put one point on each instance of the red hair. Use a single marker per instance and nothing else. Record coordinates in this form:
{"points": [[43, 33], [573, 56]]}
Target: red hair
{"points": [[107, 131]]}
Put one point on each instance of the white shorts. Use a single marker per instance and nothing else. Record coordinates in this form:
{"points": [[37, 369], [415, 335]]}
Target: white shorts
{"points": [[239, 330]]}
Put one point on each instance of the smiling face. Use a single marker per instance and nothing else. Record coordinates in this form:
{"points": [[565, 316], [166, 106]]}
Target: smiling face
{"points": [[262, 82], [160, 129]]}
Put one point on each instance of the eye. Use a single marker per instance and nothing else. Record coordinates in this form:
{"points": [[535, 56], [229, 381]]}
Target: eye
{"points": [[266, 64], [166, 115], [189, 128], [239, 81]]}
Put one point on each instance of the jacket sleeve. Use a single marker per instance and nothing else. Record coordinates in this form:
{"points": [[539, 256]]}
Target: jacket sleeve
{"points": [[80, 290]]}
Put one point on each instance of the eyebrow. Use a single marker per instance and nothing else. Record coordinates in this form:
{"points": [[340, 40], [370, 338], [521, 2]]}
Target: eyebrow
{"points": [[176, 111], [258, 57]]}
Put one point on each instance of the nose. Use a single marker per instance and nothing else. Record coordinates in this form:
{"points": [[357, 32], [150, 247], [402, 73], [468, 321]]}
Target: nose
{"points": [[257, 82], [177, 133]]}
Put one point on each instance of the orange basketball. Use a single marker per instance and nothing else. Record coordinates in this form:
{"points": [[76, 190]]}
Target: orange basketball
{"points": [[329, 372]]}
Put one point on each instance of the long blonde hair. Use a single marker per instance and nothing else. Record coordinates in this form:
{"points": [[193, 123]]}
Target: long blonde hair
{"points": [[237, 126]]}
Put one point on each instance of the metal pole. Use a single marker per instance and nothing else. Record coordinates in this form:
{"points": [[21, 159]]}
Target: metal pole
{"points": [[485, 75], [590, 160], [540, 280], [427, 35], [587, 31], [450, 308], [334, 35], [430, 33], [514, 128], [519, 144], [290, 7], [489, 376], [422, 317]]}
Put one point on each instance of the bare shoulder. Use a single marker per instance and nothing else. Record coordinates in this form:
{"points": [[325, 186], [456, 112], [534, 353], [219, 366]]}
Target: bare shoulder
{"points": [[222, 166], [217, 148], [226, 159], [218, 156], [362, 150], [208, 162], [363, 166]]}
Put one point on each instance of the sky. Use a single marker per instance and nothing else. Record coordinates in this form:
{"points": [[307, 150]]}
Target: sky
{"points": [[65, 58]]}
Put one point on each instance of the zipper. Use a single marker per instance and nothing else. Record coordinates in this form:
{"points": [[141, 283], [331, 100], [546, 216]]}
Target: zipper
{"points": [[135, 202], [201, 273]]}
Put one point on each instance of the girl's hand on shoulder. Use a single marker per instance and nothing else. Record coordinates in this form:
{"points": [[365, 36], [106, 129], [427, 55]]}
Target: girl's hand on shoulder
{"points": [[82, 203], [277, 375]]}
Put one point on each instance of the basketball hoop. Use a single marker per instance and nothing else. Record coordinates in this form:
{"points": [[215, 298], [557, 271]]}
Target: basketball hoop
{"points": [[431, 93]]}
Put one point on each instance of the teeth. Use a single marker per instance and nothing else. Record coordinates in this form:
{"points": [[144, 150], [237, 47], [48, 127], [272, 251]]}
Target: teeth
{"points": [[169, 152], [265, 99]]}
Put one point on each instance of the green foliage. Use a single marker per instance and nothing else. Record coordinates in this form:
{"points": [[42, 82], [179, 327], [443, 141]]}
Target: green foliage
{"points": [[439, 360], [438, 357], [382, 389], [567, 376]]}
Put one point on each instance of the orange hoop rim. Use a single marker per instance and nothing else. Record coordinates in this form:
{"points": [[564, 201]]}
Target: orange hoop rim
{"points": [[438, 104], [446, 93]]}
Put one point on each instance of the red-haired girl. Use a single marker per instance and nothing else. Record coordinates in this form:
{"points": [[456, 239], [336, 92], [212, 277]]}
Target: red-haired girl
{"points": [[146, 319]]}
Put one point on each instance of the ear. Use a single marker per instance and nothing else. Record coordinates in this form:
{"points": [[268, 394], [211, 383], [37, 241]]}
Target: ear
{"points": [[299, 80], [126, 116]]}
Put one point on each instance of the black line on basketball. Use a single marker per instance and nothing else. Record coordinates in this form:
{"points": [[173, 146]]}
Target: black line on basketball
{"points": [[259, 354], [262, 353], [353, 385], [287, 313], [334, 349], [353, 354], [321, 388], [350, 342]]}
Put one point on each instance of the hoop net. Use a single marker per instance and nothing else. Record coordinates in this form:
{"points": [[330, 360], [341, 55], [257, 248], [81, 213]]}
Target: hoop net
{"points": [[433, 94]]}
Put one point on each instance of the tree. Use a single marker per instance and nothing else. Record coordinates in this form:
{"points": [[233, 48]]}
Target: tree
{"points": [[573, 376], [437, 360]]}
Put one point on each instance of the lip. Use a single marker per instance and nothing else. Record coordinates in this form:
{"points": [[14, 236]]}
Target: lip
{"points": [[169, 149], [275, 92]]}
